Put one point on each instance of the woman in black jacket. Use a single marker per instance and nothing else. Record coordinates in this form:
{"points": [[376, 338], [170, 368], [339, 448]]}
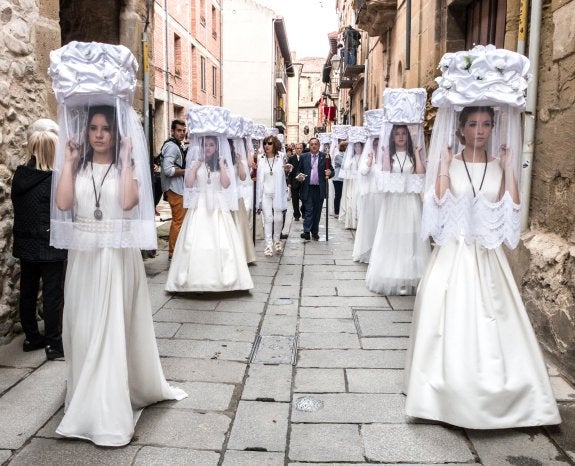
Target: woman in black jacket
{"points": [[31, 189]]}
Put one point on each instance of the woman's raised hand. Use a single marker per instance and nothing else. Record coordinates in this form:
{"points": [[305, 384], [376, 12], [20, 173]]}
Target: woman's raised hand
{"points": [[72, 151], [505, 157], [445, 161], [126, 150], [369, 160]]}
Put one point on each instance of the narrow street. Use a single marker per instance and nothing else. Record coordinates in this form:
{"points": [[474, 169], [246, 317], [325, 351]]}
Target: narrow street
{"points": [[305, 369]]}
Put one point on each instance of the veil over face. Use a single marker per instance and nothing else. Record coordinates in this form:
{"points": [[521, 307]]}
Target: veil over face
{"points": [[476, 148], [102, 161], [210, 179]]}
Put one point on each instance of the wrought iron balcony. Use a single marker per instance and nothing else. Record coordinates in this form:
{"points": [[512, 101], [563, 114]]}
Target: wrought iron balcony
{"points": [[280, 120], [281, 80], [375, 16]]}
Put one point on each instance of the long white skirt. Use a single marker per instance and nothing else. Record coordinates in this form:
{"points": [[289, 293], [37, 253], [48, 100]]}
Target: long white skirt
{"points": [[348, 209], [112, 361], [243, 225], [473, 359], [209, 255], [370, 207], [399, 255]]}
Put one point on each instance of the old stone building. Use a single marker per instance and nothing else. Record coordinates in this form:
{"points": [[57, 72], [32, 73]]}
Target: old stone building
{"points": [[30, 30], [403, 50]]}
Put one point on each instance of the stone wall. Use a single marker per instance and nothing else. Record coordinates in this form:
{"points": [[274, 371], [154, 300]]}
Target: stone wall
{"points": [[27, 34], [546, 260]]}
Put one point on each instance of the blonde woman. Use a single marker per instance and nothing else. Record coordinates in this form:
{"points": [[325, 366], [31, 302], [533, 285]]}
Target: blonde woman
{"points": [[38, 260]]}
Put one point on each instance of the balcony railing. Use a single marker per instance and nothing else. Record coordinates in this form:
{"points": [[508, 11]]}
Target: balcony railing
{"points": [[281, 81], [280, 117]]}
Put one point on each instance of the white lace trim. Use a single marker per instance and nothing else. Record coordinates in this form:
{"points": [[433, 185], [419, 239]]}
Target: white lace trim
{"points": [[401, 182], [476, 219]]}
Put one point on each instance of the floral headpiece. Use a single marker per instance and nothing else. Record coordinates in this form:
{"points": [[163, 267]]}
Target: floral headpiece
{"points": [[404, 106], [483, 75]]}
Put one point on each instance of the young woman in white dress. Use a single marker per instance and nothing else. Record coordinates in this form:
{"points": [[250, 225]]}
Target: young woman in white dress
{"points": [[399, 255], [473, 359], [244, 186], [271, 193], [209, 254], [113, 366], [348, 212], [370, 196]]}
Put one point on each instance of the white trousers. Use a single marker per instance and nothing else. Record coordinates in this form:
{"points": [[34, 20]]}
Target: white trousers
{"points": [[273, 220]]}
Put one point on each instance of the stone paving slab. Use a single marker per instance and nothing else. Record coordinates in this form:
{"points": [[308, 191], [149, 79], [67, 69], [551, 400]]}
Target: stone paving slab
{"points": [[350, 289], [371, 464], [319, 291], [352, 408], [72, 453], [30, 404], [157, 456], [325, 442], [253, 296], [375, 380], [252, 458], [318, 259], [190, 304], [326, 312], [564, 434], [268, 382], [9, 376], [260, 280], [516, 446], [232, 350], [327, 326], [202, 370], [207, 317], [385, 343], [279, 325], [181, 428], [376, 359], [358, 301], [166, 329], [328, 340], [241, 306], [158, 296], [401, 303], [260, 425], [202, 396], [383, 323], [319, 380], [4, 455], [11, 355], [415, 443], [216, 332], [285, 291], [278, 310]]}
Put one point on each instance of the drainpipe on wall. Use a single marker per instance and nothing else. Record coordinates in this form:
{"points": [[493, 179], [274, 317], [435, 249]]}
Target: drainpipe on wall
{"points": [[531, 101], [145, 53]]}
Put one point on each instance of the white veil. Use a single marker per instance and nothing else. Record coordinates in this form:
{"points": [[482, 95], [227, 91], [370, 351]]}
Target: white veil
{"points": [[88, 79], [210, 179], [338, 133], [370, 161], [487, 81], [236, 133], [357, 136], [324, 142]]}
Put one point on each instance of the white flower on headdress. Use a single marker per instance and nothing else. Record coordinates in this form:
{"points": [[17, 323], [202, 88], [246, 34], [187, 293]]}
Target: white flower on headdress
{"points": [[445, 62]]}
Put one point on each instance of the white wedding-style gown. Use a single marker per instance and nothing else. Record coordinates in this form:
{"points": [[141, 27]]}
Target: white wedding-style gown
{"points": [[398, 256], [473, 360], [112, 361], [209, 254]]}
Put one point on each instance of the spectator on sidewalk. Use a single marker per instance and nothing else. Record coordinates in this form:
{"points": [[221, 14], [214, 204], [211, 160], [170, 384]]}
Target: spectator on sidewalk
{"points": [[294, 185], [173, 169], [31, 193]]}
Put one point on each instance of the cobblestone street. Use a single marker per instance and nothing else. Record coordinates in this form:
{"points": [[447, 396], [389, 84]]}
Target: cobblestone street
{"points": [[305, 369]]}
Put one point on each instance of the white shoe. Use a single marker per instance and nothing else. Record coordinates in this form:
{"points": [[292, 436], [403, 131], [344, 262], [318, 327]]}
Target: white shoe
{"points": [[268, 252], [278, 247]]}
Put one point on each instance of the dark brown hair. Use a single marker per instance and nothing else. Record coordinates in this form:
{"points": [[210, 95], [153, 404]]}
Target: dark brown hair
{"points": [[277, 145]]}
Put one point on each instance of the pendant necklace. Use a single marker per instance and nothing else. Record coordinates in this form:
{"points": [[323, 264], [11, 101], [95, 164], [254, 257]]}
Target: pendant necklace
{"points": [[401, 165], [272, 164], [97, 212], [209, 172], [469, 176]]}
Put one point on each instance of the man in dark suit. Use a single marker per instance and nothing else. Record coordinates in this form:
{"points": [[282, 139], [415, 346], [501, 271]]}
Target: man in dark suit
{"points": [[294, 184], [312, 171]]}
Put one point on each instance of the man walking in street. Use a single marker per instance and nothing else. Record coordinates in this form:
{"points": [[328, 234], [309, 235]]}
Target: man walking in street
{"points": [[312, 171], [294, 185], [173, 170]]}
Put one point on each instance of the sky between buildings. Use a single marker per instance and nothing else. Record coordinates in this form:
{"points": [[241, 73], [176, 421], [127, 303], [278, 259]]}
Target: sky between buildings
{"points": [[308, 22]]}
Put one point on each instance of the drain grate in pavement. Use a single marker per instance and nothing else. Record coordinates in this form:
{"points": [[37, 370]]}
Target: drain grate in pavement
{"points": [[308, 404], [274, 349]]}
